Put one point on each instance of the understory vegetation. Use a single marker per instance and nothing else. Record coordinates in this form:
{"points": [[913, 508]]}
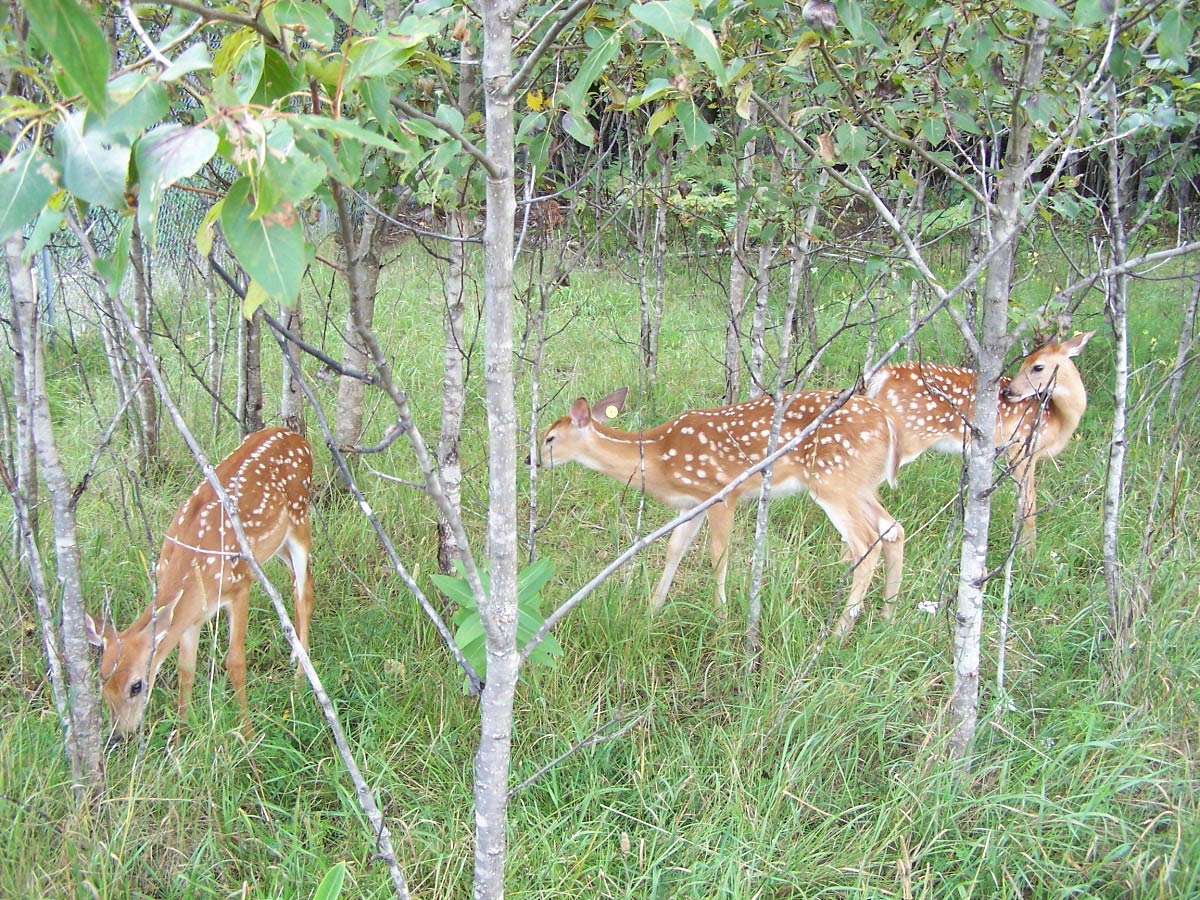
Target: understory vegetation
{"points": [[803, 777]]}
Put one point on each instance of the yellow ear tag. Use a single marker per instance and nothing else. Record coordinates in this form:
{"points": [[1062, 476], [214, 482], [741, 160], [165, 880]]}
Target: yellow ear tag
{"points": [[611, 411]]}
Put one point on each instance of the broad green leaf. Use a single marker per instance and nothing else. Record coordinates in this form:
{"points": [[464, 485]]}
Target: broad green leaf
{"points": [[330, 887], [48, 223], [204, 234], [347, 129], [658, 87], [318, 147], [343, 9], [163, 156], [271, 248], [456, 589], [135, 102], [578, 127], [255, 297], [696, 131], [193, 59], [669, 18], [24, 189], [1089, 12], [113, 267], [1043, 9], [307, 20], [850, 14], [278, 80], [852, 142], [934, 129], [247, 72], [533, 578], [1174, 38], [602, 54], [71, 34], [376, 56], [94, 166], [699, 38], [661, 116]]}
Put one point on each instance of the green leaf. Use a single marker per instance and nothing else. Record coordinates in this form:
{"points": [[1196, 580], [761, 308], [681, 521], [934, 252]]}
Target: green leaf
{"points": [[278, 80], [1174, 38], [533, 578], [456, 589], [113, 267], [934, 130], [70, 33], [307, 20], [1043, 9], [255, 297], [271, 248], [341, 8], [204, 234], [331, 885], [248, 71], [48, 223], [347, 129], [658, 87], [135, 102], [94, 166], [696, 131], [1089, 12], [24, 189], [377, 56], [578, 127], [193, 59], [669, 18], [699, 38], [601, 55], [661, 116], [163, 156], [852, 142], [317, 146], [850, 14]]}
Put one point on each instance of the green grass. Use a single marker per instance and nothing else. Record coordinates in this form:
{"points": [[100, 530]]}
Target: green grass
{"points": [[738, 784]]}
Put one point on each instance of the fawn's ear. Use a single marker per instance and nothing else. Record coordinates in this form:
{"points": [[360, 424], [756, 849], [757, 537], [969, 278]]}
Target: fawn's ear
{"points": [[1077, 343], [94, 631], [610, 407], [581, 413]]}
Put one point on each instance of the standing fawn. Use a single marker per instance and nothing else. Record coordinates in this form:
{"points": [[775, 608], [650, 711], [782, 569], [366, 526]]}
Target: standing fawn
{"points": [[1039, 410], [692, 457], [201, 570]]}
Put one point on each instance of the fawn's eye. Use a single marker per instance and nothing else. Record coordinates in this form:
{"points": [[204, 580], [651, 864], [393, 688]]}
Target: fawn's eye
{"points": [[549, 439], [135, 688], [1037, 368]]}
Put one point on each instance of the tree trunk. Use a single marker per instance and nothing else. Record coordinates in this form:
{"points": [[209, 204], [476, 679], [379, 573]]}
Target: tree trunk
{"points": [[83, 713], [250, 395], [499, 614], [291, 401], [1122, 616], [665, 158], [364, 259], [147, 402], [24, 319], [993, 344], [454, 361], [215, 357], [738, 255], [762, 298]]}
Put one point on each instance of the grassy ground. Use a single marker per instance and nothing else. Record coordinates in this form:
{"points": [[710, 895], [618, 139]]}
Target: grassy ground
{"points": [[738, 784]]}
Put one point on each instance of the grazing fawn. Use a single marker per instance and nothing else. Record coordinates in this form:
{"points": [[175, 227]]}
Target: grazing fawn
{"points": [[687, 460], [201, 570], [1039, 410]]}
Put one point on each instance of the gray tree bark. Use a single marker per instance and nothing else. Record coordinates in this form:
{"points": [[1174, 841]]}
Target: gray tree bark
{"points": [[454, 361], [249, 406], [738, 273], [499, 613], [993, 344], [362, 266], [142, 310], [1122, 614], [83, 711], [291, 401]]}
